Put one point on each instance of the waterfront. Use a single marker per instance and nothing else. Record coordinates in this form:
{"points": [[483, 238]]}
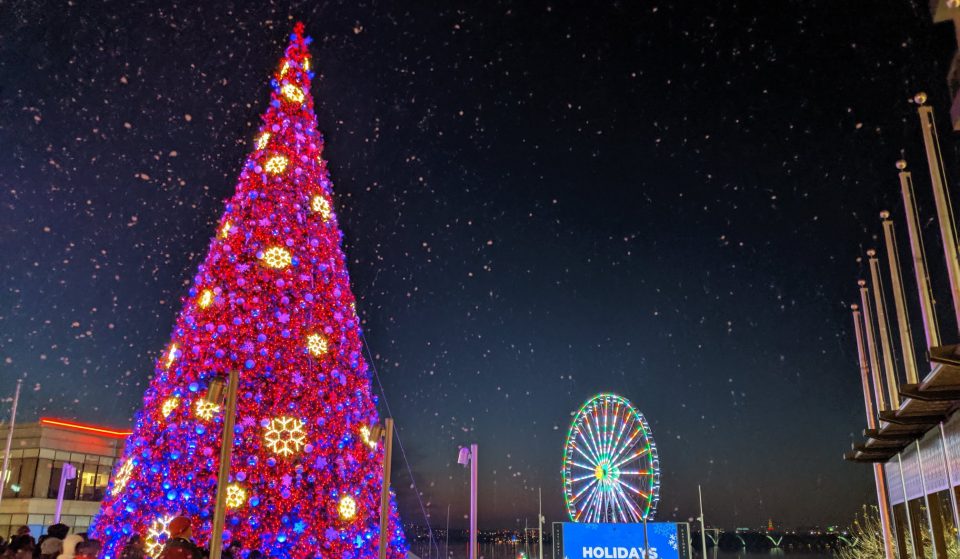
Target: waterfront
{"points": [[511, 551]]}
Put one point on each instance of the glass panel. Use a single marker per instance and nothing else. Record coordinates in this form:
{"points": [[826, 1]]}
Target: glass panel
{"points": [[12, 477], [44, 468], [28, 475], [93, 482], [70, 487]]}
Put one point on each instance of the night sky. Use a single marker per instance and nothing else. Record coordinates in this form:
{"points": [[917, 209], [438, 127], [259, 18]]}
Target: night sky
{"points": [[540, 201]]}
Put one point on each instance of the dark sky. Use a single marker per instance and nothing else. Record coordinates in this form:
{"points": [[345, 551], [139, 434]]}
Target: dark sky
{"points": [[540, 201]]}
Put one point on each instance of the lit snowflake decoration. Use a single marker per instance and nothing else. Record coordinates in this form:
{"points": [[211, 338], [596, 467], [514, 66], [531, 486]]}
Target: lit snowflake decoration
{"points": [[320, 205], [276, 164], [169, 405], [673, 541], [171, 355], [292, 93], [285, 435], [157, 535], [236, 495], [262, 140], [123, 477], [347, 507], [206, 410], [365, 433], [205, 299], [277, 258], [317, 344]]}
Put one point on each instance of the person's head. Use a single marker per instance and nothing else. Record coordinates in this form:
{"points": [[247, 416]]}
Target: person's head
{"points": [[23, 531], [26, 545], [58, 530], [180, 527], [135, 541], [88, 548]]}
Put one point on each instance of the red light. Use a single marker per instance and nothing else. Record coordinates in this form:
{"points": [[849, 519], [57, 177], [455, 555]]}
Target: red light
{"points": [[85, 428]]}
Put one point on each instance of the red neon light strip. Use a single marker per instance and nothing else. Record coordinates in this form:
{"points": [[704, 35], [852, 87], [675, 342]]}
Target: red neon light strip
{"points": [[87, 428]]}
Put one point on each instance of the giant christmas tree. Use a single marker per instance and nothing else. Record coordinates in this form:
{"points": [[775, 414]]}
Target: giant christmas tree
{"points": [[271, 300]]}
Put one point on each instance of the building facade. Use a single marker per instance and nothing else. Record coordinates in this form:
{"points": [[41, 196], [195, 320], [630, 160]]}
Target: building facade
{"points": [[37, 456]]}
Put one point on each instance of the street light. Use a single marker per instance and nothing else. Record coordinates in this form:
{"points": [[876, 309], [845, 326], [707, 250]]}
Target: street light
{"points": [[215, 396], [464, 457]]}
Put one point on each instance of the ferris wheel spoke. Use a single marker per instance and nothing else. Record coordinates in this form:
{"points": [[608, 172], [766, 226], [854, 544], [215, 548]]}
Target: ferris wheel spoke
{"points": [[633, 456], [640, 492], [588, 476], [630, 506], [605, 437], [584, 466], [583, 490], [592, 460], [615, 448], [595, 448]]}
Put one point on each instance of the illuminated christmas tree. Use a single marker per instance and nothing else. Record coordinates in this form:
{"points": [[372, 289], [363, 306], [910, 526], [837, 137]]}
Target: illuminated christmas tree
{"points": [[271, 300]]}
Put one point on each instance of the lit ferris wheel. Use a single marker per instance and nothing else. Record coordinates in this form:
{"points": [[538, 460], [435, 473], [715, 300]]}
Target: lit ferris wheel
{"points": [[611, 471]]}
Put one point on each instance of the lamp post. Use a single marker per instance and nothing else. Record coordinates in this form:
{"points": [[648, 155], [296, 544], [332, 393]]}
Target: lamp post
{"points": [[6, 454], [215, 396], [469, 456], [385, 432], [66, 473]]}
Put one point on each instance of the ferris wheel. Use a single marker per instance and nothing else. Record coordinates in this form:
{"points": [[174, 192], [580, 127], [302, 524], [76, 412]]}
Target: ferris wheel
{"points": [[611, 471]]}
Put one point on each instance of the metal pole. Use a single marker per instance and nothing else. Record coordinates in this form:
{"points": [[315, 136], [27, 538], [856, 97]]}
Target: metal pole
{"points": [[899, 300], [952, 490], [878, 478], [646, 542], [871, 347], [540, 520], [703, 528], [885, 342], [6, 453], [930, 329], [446, 546], [941, 197], [223, 476], [473, 502], [906, 509], [926, 501], [385, 487]]}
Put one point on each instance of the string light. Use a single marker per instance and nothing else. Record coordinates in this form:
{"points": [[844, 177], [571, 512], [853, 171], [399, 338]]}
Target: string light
{"points": [[293, 93], [205, 299], [122, 477], [285, 435], [157, 535], [225, 230], [171, 355], [317, 344], [206, 410], [306, 64], [277, 258], [284, 68], [347, 507], [320, 205], [276, 164], [236, 495], [262, 140], [169, 405]]}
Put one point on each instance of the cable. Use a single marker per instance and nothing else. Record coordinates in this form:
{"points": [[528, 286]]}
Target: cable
{"points": [[413, 480]]}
